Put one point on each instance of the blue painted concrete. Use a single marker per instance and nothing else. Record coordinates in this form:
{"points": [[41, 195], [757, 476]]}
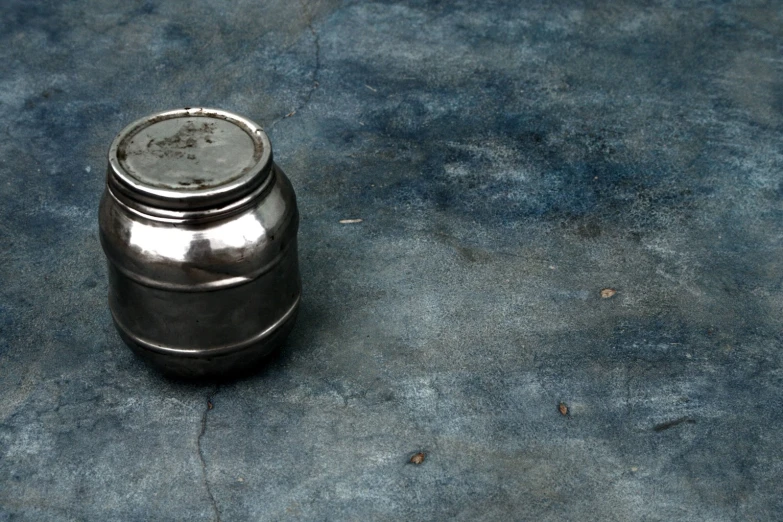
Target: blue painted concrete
{"points": [[508, 162]]}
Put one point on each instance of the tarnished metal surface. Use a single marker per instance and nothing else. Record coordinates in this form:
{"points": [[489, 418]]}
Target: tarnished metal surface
{"points": [[199, 227]]}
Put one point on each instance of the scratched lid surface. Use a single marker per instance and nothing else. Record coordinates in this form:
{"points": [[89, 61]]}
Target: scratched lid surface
{"points": [[189, 158]]}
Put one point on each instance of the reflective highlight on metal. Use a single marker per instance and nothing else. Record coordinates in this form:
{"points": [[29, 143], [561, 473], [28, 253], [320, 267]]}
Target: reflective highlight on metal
{"points": [[199, 227]]}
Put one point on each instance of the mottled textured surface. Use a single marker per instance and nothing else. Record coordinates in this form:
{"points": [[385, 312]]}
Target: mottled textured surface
{"points": [[508, 162]]}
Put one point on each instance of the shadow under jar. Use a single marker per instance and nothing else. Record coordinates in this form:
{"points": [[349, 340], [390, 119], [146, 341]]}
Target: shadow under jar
{"points": [[199, 228]]}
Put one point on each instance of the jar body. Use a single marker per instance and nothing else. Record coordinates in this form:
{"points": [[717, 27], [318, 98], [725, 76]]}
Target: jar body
{"points": [[204, 296]]}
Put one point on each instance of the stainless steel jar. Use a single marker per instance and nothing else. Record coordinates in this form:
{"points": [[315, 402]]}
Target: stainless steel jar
{"points": [[199, 228]]}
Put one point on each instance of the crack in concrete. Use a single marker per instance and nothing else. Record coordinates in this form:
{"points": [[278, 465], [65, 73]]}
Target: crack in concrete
{"points": [[212, 501], [308, 16]]}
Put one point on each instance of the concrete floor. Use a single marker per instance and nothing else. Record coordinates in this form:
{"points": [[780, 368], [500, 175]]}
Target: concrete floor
{"points": [[509, 162]]}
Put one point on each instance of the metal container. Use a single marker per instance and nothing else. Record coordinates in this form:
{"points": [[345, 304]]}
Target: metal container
{"points": [[199, 228]]}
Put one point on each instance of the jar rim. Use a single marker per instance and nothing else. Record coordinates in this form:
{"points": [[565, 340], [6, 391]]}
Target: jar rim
{"points": [[210, 162]]}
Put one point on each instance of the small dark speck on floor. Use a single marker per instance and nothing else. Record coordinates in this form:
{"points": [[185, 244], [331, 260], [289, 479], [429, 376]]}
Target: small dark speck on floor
{"points": [[671, 424]]}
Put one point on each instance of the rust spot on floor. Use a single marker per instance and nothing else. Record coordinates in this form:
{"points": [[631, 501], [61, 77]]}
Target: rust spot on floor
{"points": [[418, 458]]}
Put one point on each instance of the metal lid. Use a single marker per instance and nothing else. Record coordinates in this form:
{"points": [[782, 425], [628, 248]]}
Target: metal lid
{"points": [[189, 159]]}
